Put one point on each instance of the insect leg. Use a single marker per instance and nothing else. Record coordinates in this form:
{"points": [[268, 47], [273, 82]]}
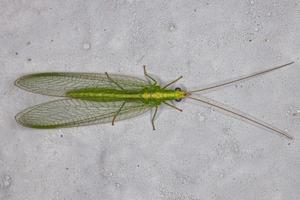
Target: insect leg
{"points": [[148, 76], [109, 78], [115, 116], [153, 117], [172, 82], [172, 106]]}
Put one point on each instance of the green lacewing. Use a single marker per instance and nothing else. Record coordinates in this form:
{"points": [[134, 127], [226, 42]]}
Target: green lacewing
{"points": [[94, 98]]}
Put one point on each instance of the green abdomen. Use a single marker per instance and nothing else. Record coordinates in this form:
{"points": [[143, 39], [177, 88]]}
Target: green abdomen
{"points": [[104, 95]]}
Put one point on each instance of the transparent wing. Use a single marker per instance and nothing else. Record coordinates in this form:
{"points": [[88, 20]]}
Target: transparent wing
{"points": [[73, 112], [58, 84]]}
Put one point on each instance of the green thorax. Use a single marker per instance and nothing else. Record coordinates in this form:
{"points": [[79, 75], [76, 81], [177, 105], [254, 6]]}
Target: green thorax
{"points": [[151, 94]]}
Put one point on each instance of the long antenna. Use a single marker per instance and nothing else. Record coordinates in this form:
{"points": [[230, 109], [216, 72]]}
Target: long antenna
{"points": [[240, 79], [240, 115]]}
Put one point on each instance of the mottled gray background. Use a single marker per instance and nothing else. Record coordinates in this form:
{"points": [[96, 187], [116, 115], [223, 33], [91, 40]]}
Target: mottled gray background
{"points": [[198, 154]]}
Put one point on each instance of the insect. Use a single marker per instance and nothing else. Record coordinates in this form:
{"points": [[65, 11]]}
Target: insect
{"points": [[92, 98]]}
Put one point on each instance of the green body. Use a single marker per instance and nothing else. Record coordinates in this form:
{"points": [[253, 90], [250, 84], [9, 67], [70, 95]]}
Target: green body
{"points": [[152, 95]]}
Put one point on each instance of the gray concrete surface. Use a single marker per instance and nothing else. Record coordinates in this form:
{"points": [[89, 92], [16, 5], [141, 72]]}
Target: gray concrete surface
{"points": [[195, 155]]}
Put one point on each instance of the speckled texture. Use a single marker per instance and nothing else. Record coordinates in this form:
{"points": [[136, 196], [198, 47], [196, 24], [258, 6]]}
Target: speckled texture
{"points": [[194, 155]]}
